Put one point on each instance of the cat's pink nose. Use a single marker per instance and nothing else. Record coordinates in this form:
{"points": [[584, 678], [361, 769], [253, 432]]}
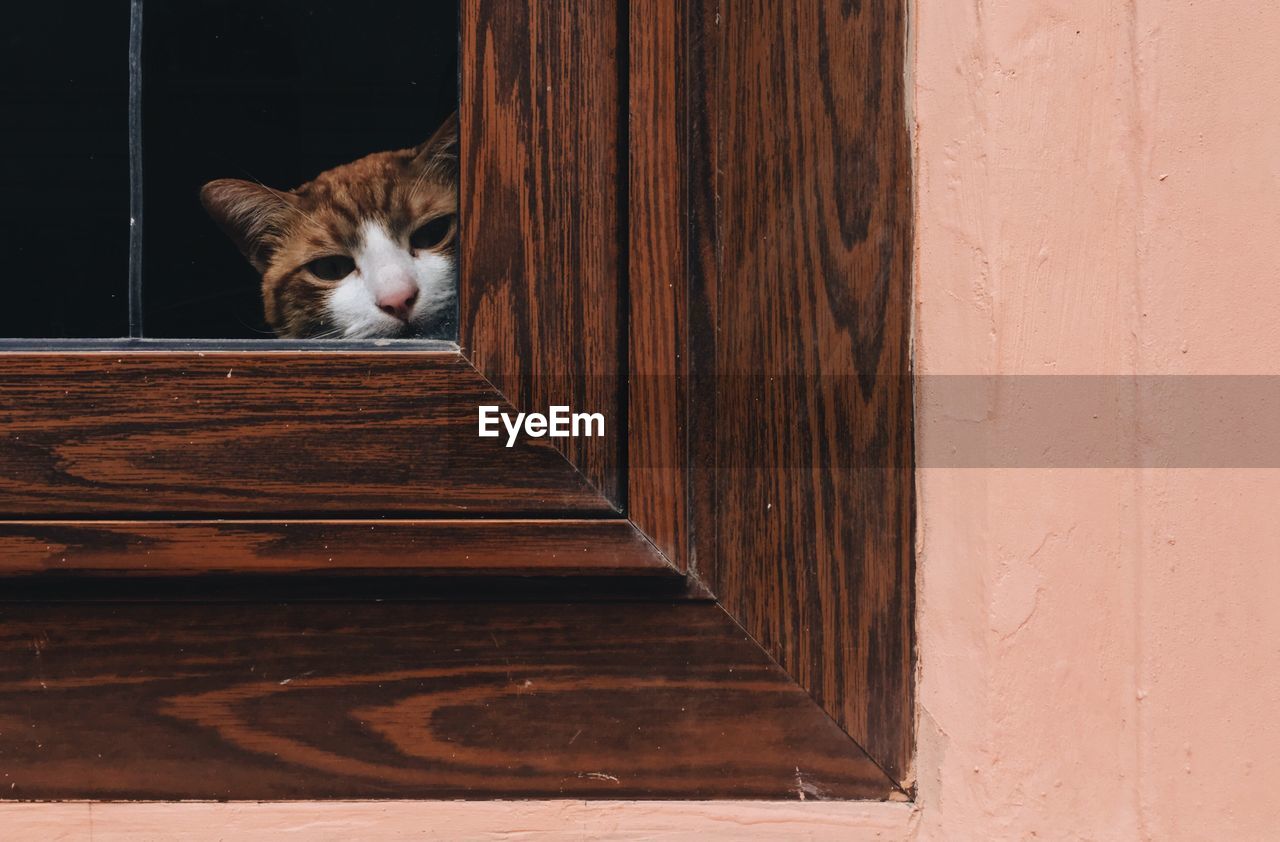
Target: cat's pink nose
{"points": [[398, 301]]}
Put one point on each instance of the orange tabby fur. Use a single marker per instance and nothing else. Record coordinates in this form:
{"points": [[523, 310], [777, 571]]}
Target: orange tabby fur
{"points": [[283, 232]]}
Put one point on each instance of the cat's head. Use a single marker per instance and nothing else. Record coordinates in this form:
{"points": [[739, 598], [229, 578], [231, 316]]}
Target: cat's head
{"points": [[365, 250]]}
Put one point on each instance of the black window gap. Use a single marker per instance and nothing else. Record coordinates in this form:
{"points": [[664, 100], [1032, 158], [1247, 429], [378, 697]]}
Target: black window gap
{"points": [[135, 169]]}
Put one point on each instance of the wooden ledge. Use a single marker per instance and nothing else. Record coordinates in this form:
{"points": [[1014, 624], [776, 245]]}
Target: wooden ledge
{"points": [[405, 700], [384, 547]]}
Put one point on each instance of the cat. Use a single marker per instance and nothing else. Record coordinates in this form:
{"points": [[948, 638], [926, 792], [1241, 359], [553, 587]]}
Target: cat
{"points": [[366, 250]]}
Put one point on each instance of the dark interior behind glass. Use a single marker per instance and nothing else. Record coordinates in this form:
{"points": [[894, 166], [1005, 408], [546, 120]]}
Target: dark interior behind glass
{"points": [[64, 168], [274, 91], [271, 90]]}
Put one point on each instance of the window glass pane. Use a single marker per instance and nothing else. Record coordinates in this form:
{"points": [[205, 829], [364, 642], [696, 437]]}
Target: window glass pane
{"points": [[64, 168], [275, 92]]}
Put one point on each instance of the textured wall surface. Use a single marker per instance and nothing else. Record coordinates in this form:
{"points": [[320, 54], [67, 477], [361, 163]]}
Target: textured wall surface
{"points": [[1099, 193]]}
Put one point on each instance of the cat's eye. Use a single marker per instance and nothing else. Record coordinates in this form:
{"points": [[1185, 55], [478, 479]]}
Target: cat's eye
{"points": [[432, 234], [332, 268]]}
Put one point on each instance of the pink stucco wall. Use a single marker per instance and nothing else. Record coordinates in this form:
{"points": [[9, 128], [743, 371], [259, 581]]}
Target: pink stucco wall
{"points": [[1099, 193]]}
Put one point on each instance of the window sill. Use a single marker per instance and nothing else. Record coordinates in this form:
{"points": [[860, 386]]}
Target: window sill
{"points": [[408, 700]]}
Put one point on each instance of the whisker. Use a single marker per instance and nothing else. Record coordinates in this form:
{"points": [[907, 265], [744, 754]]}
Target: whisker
{"points": [[257, 330], [332, 333]]}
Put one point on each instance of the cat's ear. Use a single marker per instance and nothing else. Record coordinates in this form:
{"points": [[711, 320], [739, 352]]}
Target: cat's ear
{"points": [[251, 214], [440, 152]]}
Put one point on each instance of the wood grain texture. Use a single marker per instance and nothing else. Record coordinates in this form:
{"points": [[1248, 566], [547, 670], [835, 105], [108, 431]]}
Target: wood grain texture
{"points": [[657, 470], [281, 434], [437, 547], [543, 195], [811, 312], [782, 132], [404, 700], [702, 114]]}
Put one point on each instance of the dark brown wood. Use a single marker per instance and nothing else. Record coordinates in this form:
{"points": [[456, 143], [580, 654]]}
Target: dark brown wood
{"points": [[275, 434], [657, 470], [542, 203], [400, 700], [701, 43], [809, 314], [388, 547], [746, 266]]}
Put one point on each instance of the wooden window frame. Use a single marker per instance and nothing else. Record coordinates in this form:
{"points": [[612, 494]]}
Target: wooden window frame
{"points": [[614, 260]]}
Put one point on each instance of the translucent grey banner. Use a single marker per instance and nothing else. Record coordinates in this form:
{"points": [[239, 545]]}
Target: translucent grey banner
{"points": [[1098, 421], [969, 421]]}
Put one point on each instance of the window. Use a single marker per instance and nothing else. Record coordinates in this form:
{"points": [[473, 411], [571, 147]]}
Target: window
{"points": [[689, 219], [123, 111], [275, 92]]}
